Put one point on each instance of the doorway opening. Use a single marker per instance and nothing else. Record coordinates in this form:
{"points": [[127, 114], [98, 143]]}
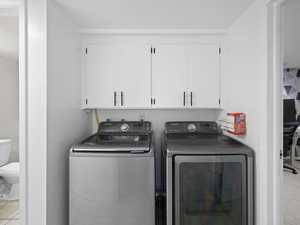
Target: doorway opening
{"points": [[284, 111], [9, 116], [290, 36], [12, 114]]}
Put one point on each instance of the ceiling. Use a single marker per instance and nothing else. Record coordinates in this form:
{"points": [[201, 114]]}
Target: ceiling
{"points": [[9, 34], [173, 14]]}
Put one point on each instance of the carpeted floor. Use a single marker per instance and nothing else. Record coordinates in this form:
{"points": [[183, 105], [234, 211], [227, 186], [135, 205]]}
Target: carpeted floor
{"points": [[291, 197]]}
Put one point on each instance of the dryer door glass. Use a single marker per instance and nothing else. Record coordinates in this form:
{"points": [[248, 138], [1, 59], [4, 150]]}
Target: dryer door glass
{"points": [[210, 190]]}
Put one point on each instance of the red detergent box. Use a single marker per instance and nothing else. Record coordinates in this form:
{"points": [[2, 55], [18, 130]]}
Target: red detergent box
{"points": [[236, 123]]}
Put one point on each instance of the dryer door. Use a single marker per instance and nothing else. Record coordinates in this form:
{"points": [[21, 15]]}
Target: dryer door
{"points": [[210, 190]]}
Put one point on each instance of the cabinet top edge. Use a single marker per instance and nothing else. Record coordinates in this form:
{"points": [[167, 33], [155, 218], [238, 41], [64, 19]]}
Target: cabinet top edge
{"points": [[153, 31], [149, 108]]}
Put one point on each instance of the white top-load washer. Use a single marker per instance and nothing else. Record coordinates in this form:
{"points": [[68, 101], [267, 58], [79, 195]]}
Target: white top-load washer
{"points": [[112, 177]]}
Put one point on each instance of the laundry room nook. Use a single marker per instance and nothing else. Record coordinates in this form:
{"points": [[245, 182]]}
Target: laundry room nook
{"points": [[148, 112]]}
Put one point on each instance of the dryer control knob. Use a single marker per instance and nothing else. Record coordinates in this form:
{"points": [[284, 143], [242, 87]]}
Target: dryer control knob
{"points": [[192, 127], [124, 127]]}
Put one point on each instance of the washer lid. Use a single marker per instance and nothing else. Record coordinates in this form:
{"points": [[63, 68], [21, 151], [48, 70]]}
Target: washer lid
{"points": [[111, 149], [119, 137], [118, 143]]}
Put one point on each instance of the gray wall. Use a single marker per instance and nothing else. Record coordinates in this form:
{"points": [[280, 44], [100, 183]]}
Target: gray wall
{"points": [[9, 98], [291, 35], [9, 35]]}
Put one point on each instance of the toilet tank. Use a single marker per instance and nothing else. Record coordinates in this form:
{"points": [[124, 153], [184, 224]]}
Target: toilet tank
{"points": [[5, 148]]}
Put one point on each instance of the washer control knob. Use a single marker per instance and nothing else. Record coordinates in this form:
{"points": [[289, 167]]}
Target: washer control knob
{"points": [[191, 127], [124, 127]]}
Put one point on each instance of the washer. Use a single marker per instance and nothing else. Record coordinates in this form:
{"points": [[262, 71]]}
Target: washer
{"points": [[112, 177], [208, 177]]}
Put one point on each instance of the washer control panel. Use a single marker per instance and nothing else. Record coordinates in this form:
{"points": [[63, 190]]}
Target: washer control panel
{"points": [[124, 127], [191, 127]]}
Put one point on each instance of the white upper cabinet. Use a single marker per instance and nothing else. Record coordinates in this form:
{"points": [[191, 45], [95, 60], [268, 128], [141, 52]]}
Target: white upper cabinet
{"points": [[186, 76], [117, 76], [169, 77], [101, 78], [204, 75], [135, 76]]}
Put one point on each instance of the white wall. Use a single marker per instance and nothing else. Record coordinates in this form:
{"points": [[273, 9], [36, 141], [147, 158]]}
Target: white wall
{"points": [[66, 123], [244, 89], [9, 92], [291, 33]]}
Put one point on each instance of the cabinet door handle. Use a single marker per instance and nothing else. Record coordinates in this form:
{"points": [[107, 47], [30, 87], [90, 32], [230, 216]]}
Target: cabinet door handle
{"points": [[122, 101], [184, 98], [115, 98], [191, 98]]}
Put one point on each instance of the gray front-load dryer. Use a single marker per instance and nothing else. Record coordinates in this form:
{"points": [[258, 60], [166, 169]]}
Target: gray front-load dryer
{"points": [[208, 176], [112, 176]]}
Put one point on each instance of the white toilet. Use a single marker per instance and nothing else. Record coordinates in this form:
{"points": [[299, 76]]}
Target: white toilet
{"points": [[9, 172]]}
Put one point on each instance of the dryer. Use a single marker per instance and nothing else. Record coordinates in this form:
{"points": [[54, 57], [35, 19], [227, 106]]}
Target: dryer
{"points": [[208, 176]]}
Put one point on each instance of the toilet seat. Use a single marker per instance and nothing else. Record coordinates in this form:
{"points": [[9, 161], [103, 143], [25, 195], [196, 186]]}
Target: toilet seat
{"points": [[10, 170]]}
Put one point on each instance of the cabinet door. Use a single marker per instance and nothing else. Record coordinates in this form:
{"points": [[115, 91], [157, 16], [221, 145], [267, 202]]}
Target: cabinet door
{"points": [[169, 75], [102, 75], [118, 75], [135, 77], [204, 75]]}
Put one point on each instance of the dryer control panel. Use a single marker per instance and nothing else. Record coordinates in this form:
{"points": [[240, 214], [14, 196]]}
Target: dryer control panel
{"points": [[201, 127]]}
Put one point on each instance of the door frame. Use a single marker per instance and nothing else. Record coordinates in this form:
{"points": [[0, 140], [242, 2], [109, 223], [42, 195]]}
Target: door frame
{"points": [[275, 111], [20, 6]]}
